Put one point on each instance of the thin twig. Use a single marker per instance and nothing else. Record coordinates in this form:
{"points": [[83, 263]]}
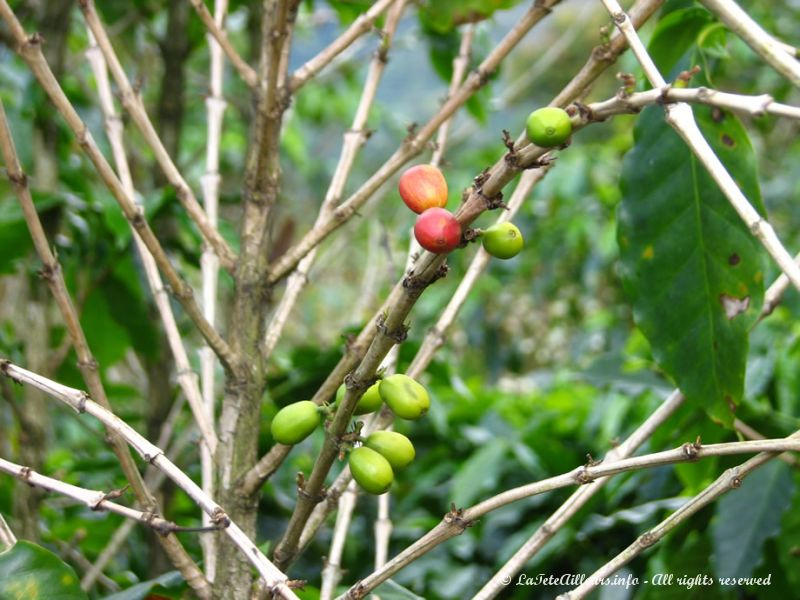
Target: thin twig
{"points": [[153, 479], [332, 571], [354, 139], [755, 106], [93, 499], [80, 402], [767, 47], [434, 340], [135, 107], [580, 497], [405, 293], [7, 537], [215, 27], [731, 479], [209, 262], [413, 145], [88, 366], [752, 434], [460, 65], [29, 48], [358, 28], [679, 117], [77, 558], [113, 125]]}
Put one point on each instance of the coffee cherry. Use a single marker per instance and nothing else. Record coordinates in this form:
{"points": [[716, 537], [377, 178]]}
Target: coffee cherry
{"points": [[502, 240], [423, 187], [548, 127], [369, 402], [295, 422], [406, 397], [393, 446], [371, 470], [437, 230]]}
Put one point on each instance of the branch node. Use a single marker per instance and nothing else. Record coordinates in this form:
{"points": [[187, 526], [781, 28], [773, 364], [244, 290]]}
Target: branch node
{"points": [[82, 403], [647, 539], [690, 451], [492, 202], [110, 495], [301, 490], [220, 519], [20, 179], [455, 518], [25, 475], [400, 334], [628, 85]]}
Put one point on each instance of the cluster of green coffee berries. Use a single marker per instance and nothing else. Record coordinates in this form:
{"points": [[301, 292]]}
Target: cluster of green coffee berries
{"points": [[382, 453]]}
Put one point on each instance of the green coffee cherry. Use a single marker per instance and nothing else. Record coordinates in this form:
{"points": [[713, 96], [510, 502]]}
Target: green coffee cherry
{"points": [[371, 470], [295, 422], [368, 403], [393, 446], [548, 127], [503, 240], [406, 397]]}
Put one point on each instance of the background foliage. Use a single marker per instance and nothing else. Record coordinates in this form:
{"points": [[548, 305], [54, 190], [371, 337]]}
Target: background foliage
{"points": [[545, 364]]}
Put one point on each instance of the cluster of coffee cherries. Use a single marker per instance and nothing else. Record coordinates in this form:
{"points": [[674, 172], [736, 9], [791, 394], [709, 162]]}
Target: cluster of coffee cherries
{"points": [[424, 190], [374, 463]]}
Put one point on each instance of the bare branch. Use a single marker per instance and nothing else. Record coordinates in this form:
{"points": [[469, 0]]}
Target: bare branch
{"points": [[460, 64], [354, 139], [412, 146], [209, 263], [80, 402], [767, 47], [186, 378], [93, 499], [7, 537], [358, 28], [135, 107], [332, 572], [680, 117], [153, 479], [755, 106], [752, 434], [215, 28], [29, 48], [729, 480]]}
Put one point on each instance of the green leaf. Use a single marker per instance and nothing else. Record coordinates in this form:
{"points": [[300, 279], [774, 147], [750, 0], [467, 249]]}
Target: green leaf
{"points": [[30, 572], [443, 15], [107, 339], [479, 472], [688, 263], [164, 585], [789, 541], [747, 517], [675, 34], [15, 241]]}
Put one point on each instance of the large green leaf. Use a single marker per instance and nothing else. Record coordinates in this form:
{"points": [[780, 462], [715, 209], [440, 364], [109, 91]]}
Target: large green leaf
{"points": [[689, 264], [747, 517], [479, 472], [30, 572], [675, 34]]}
